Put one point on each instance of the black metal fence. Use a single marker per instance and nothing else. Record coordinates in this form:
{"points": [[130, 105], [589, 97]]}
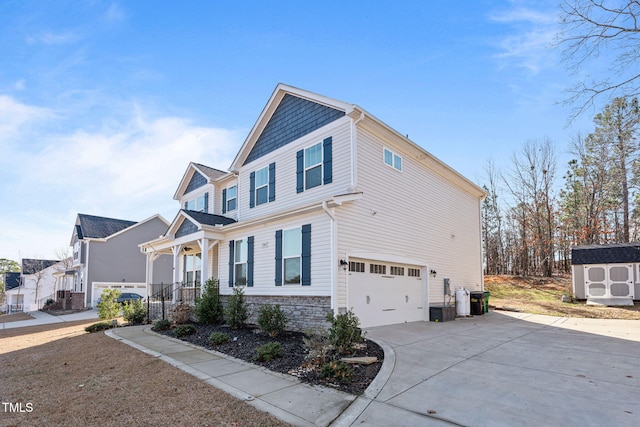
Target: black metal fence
{"points": [[163, 298]]}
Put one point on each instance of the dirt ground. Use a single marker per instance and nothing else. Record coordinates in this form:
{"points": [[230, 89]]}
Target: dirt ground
{"points": [[541, 295], [72, 378], [14, 317]]}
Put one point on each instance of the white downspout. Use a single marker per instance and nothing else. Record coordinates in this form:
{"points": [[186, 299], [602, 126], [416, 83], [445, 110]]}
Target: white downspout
{"points": [[354, 152], [334, 262]]}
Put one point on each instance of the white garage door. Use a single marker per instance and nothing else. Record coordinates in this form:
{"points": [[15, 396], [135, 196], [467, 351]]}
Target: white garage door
{"points": [[385, 293], [136, 288]]}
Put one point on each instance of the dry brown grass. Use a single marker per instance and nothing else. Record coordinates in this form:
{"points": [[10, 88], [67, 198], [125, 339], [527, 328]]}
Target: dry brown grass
{"points": [[73, 378], [541, 295], [14, 317]]}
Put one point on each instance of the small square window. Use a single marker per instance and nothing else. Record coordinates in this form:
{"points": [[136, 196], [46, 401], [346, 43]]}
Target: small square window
{"points": [[392, 159]]}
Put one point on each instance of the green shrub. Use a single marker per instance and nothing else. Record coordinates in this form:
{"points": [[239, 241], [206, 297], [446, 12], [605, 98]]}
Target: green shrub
{"points": [[236, 312], [100, 326], [217, 338], [108, 307], [184, 330], [336, 370], [134, 312], [161, 325], [272, 319], [269, 351], [209, 308], [344, 333], [49, 302]]}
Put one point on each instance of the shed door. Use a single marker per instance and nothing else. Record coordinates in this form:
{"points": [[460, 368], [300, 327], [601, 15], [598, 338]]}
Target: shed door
{"points": [[609, 281]]}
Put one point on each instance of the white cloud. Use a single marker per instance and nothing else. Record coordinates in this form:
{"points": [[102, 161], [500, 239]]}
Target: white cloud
{"points": [[53, 38], [115, 13], [14, 115]]}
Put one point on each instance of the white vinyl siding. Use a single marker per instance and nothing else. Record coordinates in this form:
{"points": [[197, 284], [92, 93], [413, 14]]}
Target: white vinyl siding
{"points": [[264, 257], [441, 229], [285, 158]]}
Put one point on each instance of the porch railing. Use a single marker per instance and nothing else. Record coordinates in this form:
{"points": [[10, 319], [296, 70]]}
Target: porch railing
{"points": [[163, 298]]}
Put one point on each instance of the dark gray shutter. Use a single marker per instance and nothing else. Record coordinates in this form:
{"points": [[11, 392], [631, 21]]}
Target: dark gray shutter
{"points": [[278, 257], [250, 261], [224, 201], [231, 263], [252, 189], [300, 171], [206, 202], [327, 160], [272, 182], [185, 205], [306, 255]]}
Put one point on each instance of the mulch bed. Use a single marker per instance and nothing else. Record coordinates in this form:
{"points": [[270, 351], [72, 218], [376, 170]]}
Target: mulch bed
{"points": [[244, 343]]}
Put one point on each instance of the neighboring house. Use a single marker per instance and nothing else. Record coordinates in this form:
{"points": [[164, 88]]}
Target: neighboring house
{"points": [[106, 255], [37, 283], [606, 274], [326, 209]]}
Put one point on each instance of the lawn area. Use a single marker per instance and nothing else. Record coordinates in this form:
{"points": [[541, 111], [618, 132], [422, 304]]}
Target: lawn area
{"points": [[541, 295]]}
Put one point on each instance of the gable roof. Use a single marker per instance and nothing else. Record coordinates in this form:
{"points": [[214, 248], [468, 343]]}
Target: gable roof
{"points": [[11, 280], [605, 254], [205, 174], [31, 266], [209, 219], [99, 227]]}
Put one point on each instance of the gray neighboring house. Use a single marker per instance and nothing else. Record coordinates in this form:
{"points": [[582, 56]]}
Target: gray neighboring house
{"points": [[106, 255]]}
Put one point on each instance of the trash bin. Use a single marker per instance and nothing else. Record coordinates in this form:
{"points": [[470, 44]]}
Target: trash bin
{"points": [[487, 294], [477, 303]]}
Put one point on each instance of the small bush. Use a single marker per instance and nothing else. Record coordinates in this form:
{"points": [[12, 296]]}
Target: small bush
{"points": [[236, 312], [184, 330], [100, 326], [317, 345], [161, 325], [49, 302], [209, 308], [181, 313], [336, 370], [344, 333], [269, 351], [108, 307], [217, 338], [134, 312], [272, 319]]}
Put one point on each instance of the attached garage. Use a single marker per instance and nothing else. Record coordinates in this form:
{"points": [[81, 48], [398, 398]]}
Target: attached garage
{"points": [[385, 293], [136, 288], [606, 274]]}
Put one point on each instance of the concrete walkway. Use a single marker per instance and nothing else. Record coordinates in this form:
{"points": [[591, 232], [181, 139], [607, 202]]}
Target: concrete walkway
{"points": [[499, 369], [43, 318], [283, 396], [504, 369]]}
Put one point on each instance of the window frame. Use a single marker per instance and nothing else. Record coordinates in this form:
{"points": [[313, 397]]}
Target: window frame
{"points": [[264, 186], [319, 164], [230, 199], [195, 202], [395, 161], [190, 265], [241, 247], [295, 255]]}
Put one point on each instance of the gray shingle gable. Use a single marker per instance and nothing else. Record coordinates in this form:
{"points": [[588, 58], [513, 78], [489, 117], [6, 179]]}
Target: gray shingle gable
{"points": [[98, 227], [31, 266], [605, 254], [209, 219], [294, 118]]}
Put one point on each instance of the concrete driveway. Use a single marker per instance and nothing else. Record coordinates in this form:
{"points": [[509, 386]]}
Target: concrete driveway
{"points": [[505, 369]]}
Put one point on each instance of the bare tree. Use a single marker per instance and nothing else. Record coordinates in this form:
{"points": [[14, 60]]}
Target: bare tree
{"points": [[595, 28]]}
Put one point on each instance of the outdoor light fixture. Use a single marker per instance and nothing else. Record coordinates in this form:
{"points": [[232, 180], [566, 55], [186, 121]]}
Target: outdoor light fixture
{"points": [[433, 273], [343, 264]]}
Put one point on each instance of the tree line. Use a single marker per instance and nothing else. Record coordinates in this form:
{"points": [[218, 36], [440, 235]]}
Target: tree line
{"points": [[531, 220]]}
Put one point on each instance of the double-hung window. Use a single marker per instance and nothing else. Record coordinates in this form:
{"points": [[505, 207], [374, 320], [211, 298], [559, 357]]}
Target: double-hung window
{"points": [[292, 255], [192, 270], [240, 262], [199, 204], [262, 186], [230, 199], [392, 159], [313, 166]]}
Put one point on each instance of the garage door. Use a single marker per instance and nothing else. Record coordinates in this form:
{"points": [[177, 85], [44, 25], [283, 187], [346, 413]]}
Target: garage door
{"points": [[385, 293], [136, 288]]}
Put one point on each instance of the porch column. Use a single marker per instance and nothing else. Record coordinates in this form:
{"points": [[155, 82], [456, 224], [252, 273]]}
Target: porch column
{"points": [[176, 267], [204, 250]]}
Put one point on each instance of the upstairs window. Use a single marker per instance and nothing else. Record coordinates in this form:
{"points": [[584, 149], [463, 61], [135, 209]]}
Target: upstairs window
{"points": [[262, 185], [199, 204], [314, 166], [392, 159], [232, 198]]}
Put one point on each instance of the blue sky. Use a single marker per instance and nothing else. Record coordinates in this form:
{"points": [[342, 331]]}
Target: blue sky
{"points": [[104, 103]]}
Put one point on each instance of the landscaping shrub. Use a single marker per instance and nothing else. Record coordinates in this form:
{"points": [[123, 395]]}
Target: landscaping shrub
{"points": [[209, 308], [317, 345], [108, 307], [217, 338], [134, 312], [272, 319], [236, 312], [161, 325], [344, 333], [336, 370], [269, 351], [184, 330], [181, 313], [100, 326]]}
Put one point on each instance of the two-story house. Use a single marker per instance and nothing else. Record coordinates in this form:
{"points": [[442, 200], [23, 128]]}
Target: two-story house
{"points": [[106, 255], [36, 284], [325, 208]]}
